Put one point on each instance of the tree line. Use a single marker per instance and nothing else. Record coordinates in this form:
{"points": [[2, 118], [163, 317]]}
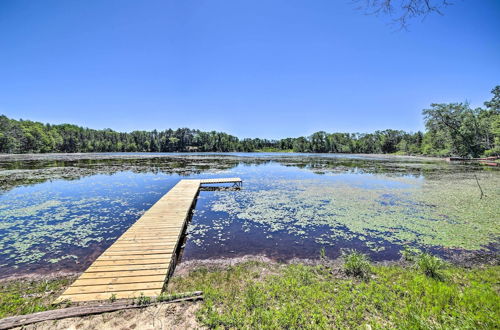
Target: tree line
{"points": [[452, 129]]}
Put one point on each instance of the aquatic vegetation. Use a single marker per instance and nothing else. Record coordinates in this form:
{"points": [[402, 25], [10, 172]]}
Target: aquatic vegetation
{"points": [[439, 211]]}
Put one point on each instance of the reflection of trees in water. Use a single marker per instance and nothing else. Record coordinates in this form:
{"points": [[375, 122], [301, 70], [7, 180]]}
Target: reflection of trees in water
{"points": [[32, 169], [388, 166], [32, 172]]}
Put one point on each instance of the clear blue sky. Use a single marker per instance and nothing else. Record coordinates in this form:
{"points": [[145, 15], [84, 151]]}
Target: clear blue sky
{"points": [[268, 68]]}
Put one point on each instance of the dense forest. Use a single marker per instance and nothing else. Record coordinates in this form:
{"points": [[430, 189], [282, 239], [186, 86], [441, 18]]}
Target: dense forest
{"points": [[451, 129]]}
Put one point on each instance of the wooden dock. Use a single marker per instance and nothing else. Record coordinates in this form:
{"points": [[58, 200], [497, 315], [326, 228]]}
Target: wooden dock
{"points": [[143, 258], [235, 181]]}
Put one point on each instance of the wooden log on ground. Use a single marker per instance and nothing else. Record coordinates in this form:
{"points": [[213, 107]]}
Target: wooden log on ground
{"points": [[57, 314]]}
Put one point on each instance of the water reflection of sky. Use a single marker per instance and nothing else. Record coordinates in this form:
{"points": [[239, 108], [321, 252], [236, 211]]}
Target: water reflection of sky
{"points": [[42, 223], [296, 209]]}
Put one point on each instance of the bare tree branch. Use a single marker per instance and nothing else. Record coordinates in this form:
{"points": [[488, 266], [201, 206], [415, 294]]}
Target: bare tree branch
{"points": [[402, 11]]}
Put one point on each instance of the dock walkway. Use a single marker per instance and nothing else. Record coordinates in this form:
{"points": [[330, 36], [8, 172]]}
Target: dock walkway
{"points": [[143, 258]]}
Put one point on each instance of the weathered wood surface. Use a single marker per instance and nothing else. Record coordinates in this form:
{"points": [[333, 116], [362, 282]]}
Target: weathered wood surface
{"points": [[140, 261], [221, 180], [22, 320]]}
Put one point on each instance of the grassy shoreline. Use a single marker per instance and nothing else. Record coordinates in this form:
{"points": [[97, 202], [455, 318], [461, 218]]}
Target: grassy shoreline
{"points": [[262, 295], [275, 295], [31, 294]]}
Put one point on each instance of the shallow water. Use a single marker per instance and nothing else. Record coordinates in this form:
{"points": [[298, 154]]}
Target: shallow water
{"points": [[59, 212]]}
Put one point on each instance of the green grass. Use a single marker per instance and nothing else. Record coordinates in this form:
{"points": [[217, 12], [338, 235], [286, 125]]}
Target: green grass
{"points": [[269, 295], [30, 296], [258, 295], [143, 300], [430, 265], [356, 264]]}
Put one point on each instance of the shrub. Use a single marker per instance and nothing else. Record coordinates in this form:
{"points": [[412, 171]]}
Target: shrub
{"points": [[143, 300], [409, 254], [356, 263], [430, 265]]}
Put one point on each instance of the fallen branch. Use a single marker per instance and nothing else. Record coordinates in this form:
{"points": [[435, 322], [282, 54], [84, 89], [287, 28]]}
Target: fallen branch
{"points": [[481, 189], [56, 314]]}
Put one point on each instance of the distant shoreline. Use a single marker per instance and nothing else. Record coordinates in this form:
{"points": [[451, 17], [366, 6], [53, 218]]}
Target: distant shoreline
{"points": [[229, 153]]}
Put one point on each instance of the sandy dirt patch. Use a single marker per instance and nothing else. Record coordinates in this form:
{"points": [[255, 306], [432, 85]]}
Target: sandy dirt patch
{"points": [[159, 317]]}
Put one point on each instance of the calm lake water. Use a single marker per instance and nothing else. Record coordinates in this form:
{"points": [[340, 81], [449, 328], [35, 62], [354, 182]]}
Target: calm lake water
{"points": [[59, 212]]}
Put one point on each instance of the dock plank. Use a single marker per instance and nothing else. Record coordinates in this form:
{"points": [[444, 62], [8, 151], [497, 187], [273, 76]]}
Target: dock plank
{"points": [[103, 288], [138, 256], [120, 262], [140, 247], [119, 280], [220, 180], [125, 273], [94, 268], [81, 297], [135, 251]]}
